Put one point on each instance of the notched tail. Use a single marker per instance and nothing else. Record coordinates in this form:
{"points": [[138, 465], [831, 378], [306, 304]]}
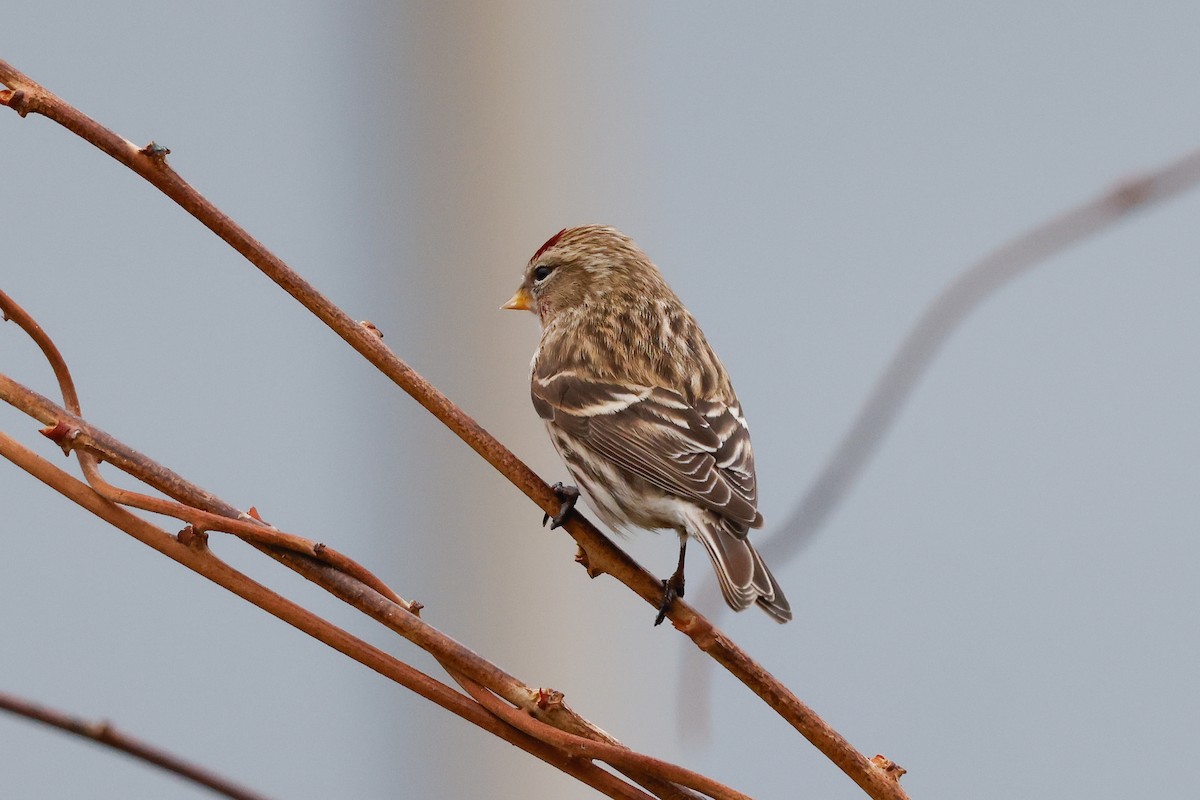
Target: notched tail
{"points": [[741, 572]]}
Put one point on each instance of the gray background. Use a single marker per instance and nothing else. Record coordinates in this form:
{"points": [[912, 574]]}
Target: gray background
{"points": [[1005, 604]]}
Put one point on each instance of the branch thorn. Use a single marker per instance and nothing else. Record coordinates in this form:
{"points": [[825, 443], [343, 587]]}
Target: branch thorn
{"points": [[61, 434], [191, 537], [16, 100], [890, 768], [156, 151], [546, 698], [581, 558]]}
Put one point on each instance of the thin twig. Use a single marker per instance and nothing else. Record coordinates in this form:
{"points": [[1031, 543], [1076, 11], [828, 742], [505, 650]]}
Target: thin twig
{"points": [[619, 757], [11, 311], [79, 439], [242, 525], [457, 659], [199, 559], [104, 733]]}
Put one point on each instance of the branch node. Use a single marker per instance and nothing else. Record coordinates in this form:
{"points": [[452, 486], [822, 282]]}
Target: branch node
{"points": [[318, 549], [98, 730], [156, 152], [414, 608], [548, 699], [61, 434], [17, 100], [192, 537], [370, 326], [1132, 193], [700, 631], [890, 768], [581, 558]]}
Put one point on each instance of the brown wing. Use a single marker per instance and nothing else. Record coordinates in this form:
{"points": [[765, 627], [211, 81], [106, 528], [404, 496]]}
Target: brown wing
{"points": [[701, 453]]}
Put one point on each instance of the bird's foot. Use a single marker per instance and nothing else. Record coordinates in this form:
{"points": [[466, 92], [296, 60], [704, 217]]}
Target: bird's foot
{"points": [[672, 588], [567, 495]]}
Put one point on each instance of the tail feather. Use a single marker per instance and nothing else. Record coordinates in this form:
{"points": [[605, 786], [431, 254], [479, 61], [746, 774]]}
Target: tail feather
{"points": [[741, 572]]}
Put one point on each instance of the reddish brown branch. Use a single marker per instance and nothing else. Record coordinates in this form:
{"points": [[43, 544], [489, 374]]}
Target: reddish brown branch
{"points": [[79, 438], [9, 310], [458, 660], [243, 526], [202, 561], [104, 733], [601, 554], [89, 452], [620, 757]]}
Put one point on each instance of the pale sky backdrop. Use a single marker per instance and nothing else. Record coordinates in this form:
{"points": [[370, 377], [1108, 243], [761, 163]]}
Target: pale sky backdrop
{"points": [[1006, 604]]}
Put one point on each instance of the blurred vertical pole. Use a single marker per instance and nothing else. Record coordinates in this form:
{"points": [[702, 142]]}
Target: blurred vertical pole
{"points": [[452, 198]]}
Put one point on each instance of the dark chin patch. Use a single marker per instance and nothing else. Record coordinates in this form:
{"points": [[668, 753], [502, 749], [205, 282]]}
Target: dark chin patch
{"points": [[553, 240]]}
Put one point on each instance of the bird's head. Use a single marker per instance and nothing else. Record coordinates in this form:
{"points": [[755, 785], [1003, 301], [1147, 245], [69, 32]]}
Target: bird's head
{"points": [[579, 267]]}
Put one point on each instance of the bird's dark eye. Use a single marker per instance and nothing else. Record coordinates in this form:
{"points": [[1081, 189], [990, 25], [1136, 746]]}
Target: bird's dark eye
{"points": [[541, 273]]}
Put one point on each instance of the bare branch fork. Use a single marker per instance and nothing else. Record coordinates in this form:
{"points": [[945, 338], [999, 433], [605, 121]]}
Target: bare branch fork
{"points": [[535, 720]]}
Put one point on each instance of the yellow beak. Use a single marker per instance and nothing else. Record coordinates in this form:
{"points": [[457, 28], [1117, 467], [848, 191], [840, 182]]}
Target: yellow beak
{"points": [[521, 301]]}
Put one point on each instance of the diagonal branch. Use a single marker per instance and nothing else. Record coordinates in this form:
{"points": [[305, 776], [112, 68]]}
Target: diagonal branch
{"points": [[245, 526], [618, 756], [600, 554], [198, 558], [942, 317], [458, 660], [568, 731], [937, 323], [103, 732]]}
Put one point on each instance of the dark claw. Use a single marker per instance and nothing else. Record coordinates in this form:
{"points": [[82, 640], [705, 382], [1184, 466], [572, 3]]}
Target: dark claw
{"points": [[672, 588], [567, 495]]}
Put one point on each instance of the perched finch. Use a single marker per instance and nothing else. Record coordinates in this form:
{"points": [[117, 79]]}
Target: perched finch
{"points": [[641, 410]]}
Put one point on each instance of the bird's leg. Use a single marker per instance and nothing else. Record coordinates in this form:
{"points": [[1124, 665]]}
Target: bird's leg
{"points": [[567, 495], [673, 586]]}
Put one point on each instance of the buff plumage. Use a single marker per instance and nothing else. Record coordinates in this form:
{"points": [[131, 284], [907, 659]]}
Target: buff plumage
{"points": [[640, 408]]}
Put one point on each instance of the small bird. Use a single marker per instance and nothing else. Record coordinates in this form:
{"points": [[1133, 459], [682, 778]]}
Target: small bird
{"points": [[640, 409]]}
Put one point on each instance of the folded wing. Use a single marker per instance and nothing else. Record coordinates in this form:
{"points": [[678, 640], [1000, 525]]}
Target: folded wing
{"points": [[700, 452]]}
